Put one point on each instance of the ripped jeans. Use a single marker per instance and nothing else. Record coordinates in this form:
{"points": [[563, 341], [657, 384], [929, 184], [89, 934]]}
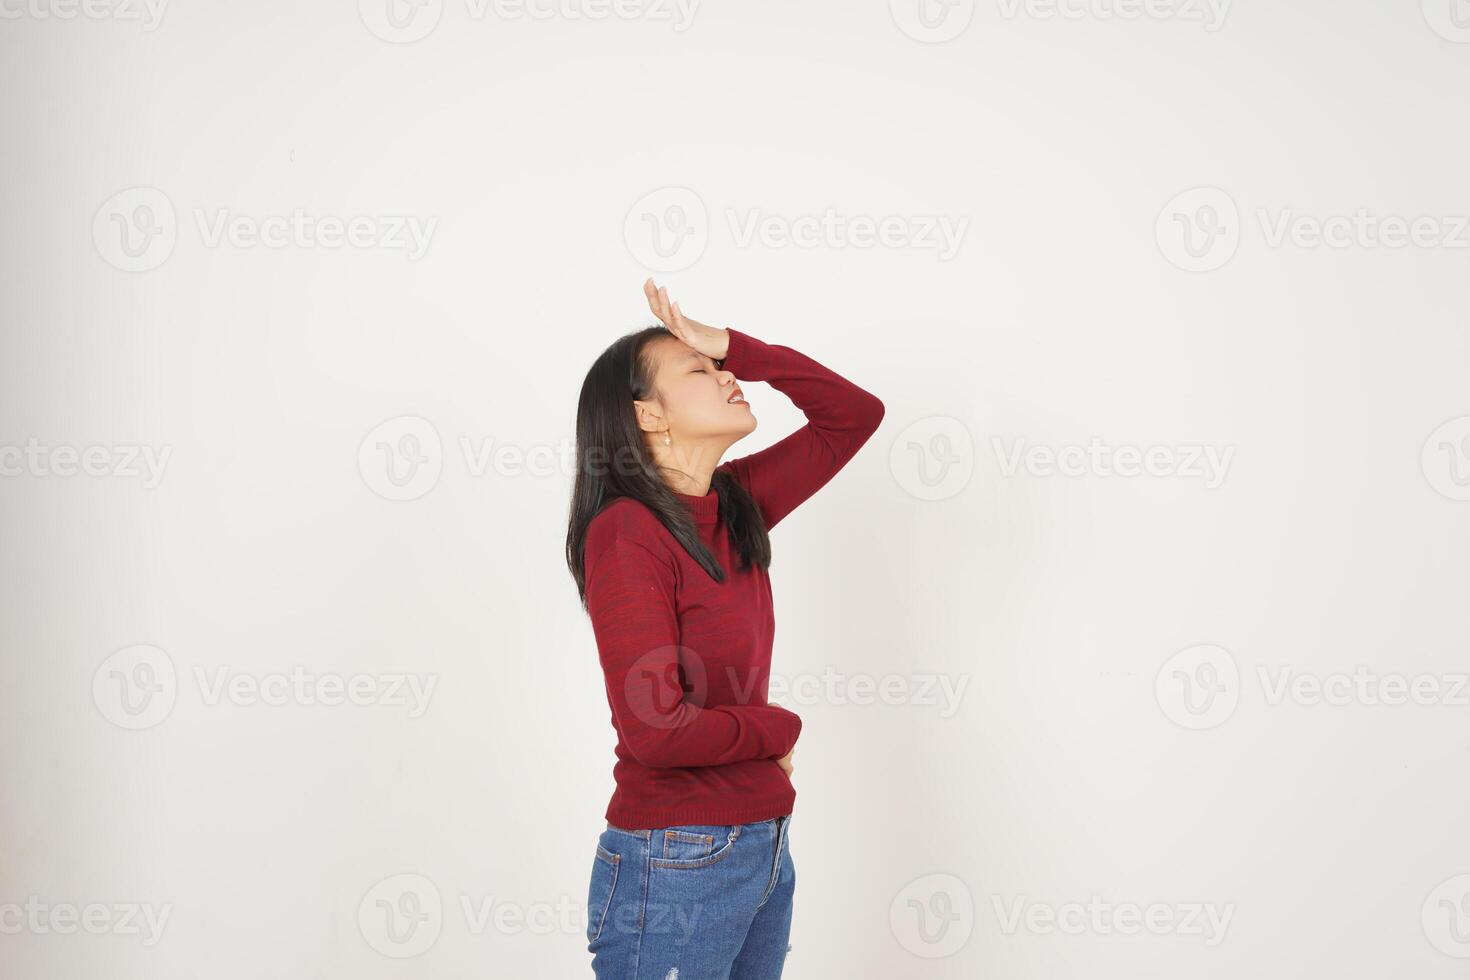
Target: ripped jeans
{"points": [[691, 902]]}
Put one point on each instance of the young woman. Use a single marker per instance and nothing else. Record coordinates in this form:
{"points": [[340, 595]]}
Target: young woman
{"points": [[693, 878]]}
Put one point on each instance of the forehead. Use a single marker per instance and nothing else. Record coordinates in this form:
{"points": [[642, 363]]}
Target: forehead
{"points": [[673, 354]]}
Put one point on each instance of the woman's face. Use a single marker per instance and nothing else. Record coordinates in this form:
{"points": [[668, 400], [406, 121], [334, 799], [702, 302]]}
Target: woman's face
{"points": [[693, 399]]}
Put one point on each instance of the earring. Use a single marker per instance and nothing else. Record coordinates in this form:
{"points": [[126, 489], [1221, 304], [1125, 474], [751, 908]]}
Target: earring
{"points": [[666, 437]]}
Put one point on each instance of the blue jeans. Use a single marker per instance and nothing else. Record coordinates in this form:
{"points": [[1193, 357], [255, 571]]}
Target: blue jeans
{"points": [[692, 902]]}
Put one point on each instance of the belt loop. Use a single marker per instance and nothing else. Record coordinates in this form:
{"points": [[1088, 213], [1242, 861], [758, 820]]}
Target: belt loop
{"points": [[638, 832]]}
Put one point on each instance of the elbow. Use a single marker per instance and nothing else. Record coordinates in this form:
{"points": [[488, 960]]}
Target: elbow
{"points": [[872, 414]]}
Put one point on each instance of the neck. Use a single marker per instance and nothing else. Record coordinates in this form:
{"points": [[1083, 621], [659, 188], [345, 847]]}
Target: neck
{"points": [[688, 468]]}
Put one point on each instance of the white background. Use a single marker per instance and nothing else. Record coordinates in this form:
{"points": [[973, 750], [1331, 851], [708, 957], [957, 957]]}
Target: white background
{"points": [[1073, 766]]}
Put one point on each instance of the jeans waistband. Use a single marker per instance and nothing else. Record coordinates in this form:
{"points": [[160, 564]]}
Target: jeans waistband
{"points": [[647, 832]]}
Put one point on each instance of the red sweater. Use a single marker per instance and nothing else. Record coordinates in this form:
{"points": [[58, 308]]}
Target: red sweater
{"points": [[687, 660]]}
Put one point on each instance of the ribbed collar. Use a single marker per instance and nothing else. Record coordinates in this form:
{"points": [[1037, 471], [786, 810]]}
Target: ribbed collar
{"points": [[706, 509]]}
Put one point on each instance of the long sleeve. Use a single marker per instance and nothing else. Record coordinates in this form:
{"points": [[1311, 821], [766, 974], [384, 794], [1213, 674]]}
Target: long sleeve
{"points": [[840, 418], [630, 598]]}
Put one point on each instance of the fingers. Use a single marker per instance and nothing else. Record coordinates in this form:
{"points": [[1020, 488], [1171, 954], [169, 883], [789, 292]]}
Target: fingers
{"points": [[668, 313], [652, 293]]}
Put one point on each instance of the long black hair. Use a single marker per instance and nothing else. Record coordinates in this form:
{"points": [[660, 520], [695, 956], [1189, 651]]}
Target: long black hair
{"points": [[612, 461]]}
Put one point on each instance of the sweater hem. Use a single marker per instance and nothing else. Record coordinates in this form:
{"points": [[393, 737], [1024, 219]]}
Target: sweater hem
{"points": [[648, 818]]}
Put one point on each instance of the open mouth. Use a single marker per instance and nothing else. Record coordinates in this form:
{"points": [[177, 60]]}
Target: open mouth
{"points": [[736, 399]]}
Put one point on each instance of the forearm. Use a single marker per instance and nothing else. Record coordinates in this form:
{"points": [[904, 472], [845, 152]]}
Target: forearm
{"points": [[713, 736], [832, 404], [840, 415]]}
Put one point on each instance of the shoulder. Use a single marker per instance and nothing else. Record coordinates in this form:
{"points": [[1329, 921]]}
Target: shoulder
{"points": [[625, 521], [738, 472], [734, 469]]}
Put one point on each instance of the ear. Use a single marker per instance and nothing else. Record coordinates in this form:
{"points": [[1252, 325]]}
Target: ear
{"points": [[649, 415]]}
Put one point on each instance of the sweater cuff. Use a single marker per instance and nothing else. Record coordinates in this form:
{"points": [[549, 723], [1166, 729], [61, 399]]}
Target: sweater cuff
{"points": [[792, 731], [795, 733], [743, 357]]}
